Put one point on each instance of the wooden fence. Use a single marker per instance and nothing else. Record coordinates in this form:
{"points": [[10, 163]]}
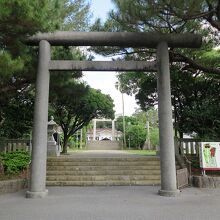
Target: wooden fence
{"points": [[10, 145]]}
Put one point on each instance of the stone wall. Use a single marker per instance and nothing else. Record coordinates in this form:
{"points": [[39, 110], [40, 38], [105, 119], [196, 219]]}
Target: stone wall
{"points": [[8, 186], [103, 145], [206, 181]]}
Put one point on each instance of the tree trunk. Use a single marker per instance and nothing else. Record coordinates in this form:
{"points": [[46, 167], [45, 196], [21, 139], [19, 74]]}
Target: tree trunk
{"points": [[181, 134], [65, 141]]}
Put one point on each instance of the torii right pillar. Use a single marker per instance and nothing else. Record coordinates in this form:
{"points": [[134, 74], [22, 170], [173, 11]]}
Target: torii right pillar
{"points": [[167, 152]]}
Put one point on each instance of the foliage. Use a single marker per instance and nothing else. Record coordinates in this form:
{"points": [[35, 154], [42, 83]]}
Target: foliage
{"points": [[128, 120], [103, 124], [74, 140], [135, 136], [154, 137], [18, 116], [18, 62], [194, 97], [14, 162], [196, 102], [194, 73], [137, 123], [20, 18], [151, 115]]}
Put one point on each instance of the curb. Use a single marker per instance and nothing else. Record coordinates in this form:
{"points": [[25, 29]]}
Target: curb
{"points": [[206, 181], [8, 186]]}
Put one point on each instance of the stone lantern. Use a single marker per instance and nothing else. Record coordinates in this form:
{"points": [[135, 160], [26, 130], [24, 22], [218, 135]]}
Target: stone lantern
{"points": [[52, 145]]}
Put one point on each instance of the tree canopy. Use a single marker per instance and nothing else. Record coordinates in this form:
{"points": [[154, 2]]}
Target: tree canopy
{"points": [[75, 104], [194, 73], [18, 62], [136, 128]]}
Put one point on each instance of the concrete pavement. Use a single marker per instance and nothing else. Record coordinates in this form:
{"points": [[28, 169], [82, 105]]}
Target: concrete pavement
{"points": [[112, 203]]}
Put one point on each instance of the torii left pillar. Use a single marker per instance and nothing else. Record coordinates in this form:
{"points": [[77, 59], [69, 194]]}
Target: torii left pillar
{"points": [[39, 151]]}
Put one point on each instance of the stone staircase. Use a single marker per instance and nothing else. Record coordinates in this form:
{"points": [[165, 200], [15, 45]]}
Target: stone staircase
{"points": [[70, 171], [103, 145]]}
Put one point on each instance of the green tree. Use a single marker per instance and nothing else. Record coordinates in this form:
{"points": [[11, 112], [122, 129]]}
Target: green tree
{"points": [[103, 124], [196, 102], [128, 119], [18, 62], [154, 137], [194, 97], [135, 136], [18, 116], [137, 123], [75, 104], [150, 116], [21, 18], [192, 70]]}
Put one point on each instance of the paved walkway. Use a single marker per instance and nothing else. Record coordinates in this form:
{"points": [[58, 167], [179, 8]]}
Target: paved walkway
{"points": [[112, 203]]}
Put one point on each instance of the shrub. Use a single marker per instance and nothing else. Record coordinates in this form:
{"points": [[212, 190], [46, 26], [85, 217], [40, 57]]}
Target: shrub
{"points": [[135, 136], [14, 162], [154, 137]]}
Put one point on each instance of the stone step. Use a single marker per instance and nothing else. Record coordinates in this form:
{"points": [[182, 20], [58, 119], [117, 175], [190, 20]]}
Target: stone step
{"points": [[102, 163], [104, 178], [89, 159], [103, 145], [103, 172], [104, 183], [99, 171], [90, 168]]}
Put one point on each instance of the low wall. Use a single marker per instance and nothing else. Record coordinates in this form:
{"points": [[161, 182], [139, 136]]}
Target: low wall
{"points": [[10, 145], [103, 145], [8, 186], [206, 181]]}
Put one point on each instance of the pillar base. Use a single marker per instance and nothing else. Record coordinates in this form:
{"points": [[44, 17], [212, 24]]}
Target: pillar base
{"points": [[157, 151], [53, 149], [35, 195], [169, 193]]}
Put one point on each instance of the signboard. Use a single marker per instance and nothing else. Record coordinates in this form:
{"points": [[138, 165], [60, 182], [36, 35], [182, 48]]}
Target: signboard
{"points": [[210, 155]]}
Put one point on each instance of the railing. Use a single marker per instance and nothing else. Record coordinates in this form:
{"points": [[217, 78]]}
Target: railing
{"points": [[10, 145], [188, 146]]}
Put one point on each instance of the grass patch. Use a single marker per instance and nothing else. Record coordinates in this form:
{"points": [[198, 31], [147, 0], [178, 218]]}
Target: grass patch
{"points": [[15, 162], [142, 152]]}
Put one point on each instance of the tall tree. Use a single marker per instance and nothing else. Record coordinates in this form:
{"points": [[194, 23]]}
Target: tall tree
{"points": [[18, 115], [19, 19], [75, 104], [136, 129], [192, 70]]}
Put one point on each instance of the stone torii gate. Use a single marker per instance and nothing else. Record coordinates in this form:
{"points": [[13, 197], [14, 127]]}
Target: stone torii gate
{"points": [[103, 119], [123, 39]]}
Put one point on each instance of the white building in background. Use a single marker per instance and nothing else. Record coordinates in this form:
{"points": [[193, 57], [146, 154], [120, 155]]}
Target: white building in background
{"points": [[103, 134], [99, 134]]}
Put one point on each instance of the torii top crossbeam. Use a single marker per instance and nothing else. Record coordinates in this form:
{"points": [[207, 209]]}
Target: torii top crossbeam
{"points": [[122, 39]]}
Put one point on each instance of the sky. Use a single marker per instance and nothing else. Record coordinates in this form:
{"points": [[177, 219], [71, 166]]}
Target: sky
{"points": [[105, 81]]}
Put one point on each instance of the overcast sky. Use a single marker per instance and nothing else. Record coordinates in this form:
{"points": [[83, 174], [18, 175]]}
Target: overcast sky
{"points": [[106, 80]]}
